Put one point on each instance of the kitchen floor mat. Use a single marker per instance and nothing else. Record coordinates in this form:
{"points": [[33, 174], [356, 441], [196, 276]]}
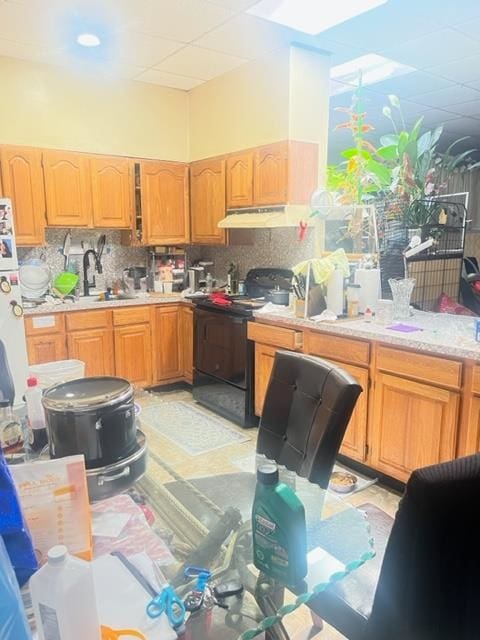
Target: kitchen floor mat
{"points": [[193, 429]]}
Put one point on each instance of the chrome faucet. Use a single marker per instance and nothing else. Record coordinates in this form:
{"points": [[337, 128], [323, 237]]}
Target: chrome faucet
{"points": [[86, 264]]}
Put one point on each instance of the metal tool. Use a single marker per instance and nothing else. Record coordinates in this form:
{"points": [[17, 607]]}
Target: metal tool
{"points": [[168, 602]]}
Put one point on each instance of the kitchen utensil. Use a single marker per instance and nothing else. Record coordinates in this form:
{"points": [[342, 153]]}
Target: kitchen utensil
{"points": [[65, 282], [101, 246], [34, 279], [66, 249], [94, 416]]}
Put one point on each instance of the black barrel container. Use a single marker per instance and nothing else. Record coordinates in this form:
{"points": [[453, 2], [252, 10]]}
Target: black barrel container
{"points": [[94, 416]]}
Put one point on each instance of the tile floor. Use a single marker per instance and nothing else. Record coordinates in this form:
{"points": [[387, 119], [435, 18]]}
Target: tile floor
{"points": [[232, 458]]}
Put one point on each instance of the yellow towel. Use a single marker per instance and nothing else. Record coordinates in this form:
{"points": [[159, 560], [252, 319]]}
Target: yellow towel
{"points": [[322, 268]]}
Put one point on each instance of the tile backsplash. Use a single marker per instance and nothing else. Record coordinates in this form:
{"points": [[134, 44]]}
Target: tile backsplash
{"points": [[270, 248], [114, 259]]}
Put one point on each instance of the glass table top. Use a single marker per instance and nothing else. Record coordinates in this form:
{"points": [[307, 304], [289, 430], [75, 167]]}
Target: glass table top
{"points": [[210, 516]]}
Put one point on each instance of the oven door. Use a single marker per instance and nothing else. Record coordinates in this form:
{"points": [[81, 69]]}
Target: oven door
{"points": [[221, 346]]}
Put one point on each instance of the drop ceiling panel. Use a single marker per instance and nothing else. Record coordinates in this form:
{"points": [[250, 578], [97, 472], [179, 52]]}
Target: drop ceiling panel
{"points": [[450, 12], [436, 48], [446, 98], [182, 20], [463, 126], [246, 36], [235, 5], [141, 49], [199, 63], [154, 76], [462, 71], [471, 109], [413, 83]]}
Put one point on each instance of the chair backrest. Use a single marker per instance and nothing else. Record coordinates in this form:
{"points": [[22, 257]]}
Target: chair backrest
{"points": [[428, 588], [307, 407]]}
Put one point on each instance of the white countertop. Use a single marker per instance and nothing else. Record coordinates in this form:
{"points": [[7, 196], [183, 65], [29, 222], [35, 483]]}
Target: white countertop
{"points": [[441, 333], [85, 304]]}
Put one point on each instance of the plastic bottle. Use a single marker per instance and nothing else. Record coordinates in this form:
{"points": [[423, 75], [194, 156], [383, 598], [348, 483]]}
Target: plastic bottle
{"points": [[63, 598], [13, 624], [208, 283], [36, 415], [278, 526]]}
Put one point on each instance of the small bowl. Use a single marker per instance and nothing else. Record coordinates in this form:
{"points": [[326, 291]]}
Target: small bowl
{"points": [[342, 481]]}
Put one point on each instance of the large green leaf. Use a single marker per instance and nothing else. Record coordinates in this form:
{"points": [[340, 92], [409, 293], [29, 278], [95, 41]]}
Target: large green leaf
{"points": [[403, 139], [458, 159], [351, 153], [389, 139], [424, 143], [436, 135], [449, 149], [379, 170], [390, 152], [416, 129]]}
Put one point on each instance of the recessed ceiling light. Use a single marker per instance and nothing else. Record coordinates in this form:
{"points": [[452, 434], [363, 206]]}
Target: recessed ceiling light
{"points": [[88, 40], [311, 16], [374, 69]]}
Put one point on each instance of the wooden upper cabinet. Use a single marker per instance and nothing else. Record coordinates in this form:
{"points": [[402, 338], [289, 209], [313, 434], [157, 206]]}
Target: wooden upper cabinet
{"points": [[207, 192], [67, 189], [270, 178], [240, 180], [112, 191], [22, 181], [164, 198]]}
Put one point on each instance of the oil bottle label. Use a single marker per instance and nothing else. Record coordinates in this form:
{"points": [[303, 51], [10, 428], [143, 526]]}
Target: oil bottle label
{"points": [[270, 548], [49, 620]]}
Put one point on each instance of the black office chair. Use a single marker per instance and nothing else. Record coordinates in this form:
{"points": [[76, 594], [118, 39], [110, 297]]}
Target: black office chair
{"points": [[428, 587], [307, 408]]}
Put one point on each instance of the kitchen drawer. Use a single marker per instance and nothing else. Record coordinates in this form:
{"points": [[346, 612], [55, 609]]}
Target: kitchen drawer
{"points": [[334, 347], [275, 336], [439, 371], [131, 315], [88, 320], [476, 379], [44, 324]]}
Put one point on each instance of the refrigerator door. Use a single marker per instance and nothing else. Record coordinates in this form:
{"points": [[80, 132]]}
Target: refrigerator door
{"points": [[13, 349], [8, 247]]}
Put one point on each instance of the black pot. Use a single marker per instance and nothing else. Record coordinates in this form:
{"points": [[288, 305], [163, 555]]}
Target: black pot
{"points": [[91, 416], [278, 296]]}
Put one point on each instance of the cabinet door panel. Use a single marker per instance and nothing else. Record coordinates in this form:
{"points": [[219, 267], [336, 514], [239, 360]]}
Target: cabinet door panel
{"points": [[207, 189], [164, 189], [46, 348], [270, 180], [240, 180], [355, 438], [22, 182], [414, 425], [187, 342], [133, 354], [95, 348], [167, 343], [112, 190], [67, 189], [264, 360]]}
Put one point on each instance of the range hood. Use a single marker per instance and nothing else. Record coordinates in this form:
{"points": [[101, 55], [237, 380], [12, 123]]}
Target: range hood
{"points": [[266, 217]]}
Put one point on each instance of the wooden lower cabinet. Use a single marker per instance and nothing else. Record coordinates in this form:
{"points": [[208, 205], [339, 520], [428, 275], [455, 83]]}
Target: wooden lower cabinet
{"points": [[133, 354], [264, 359], [46, 348], [187, 342], [167, 344], [95, 348], [354, 444], [414, 425]]}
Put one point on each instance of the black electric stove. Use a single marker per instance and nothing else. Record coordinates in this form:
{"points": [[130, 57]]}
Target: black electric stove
{"points": [[223, 377]]}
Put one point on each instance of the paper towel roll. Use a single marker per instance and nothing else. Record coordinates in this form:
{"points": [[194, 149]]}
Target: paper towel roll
{"points": [[370, 292], [335, 292]]}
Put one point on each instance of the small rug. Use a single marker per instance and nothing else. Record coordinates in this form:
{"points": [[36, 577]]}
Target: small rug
{"points": [[190, 427]]}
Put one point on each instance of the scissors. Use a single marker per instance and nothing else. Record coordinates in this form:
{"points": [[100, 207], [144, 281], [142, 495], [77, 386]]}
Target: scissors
{"points": [[113, 634], [169, 603]]}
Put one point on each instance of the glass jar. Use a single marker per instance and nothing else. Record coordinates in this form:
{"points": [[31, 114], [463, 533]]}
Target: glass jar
{"points": [[353, 297], [11, 432], [401, 292]]}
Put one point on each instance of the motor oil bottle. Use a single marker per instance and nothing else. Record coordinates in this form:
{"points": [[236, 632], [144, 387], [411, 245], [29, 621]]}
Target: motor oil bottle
{"points": [[278, 527]]}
